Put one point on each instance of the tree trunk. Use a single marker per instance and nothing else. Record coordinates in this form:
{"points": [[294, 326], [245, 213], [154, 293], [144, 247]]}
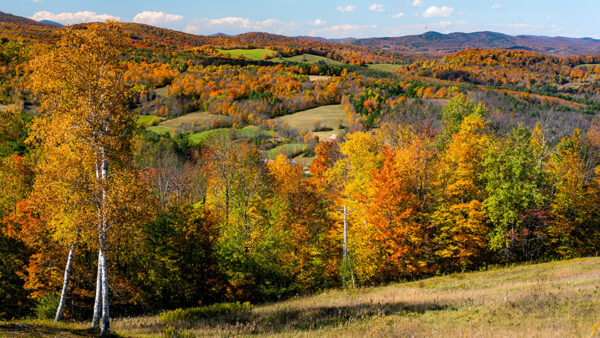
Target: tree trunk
{"points": [[98, 300], [105, 329], [65, 288]]}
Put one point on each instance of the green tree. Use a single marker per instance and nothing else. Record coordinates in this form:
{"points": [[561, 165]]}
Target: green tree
{"points": [[453, 115], [513, 185]]}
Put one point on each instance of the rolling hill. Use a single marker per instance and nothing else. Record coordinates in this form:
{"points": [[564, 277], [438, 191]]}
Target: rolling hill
{"points": [[426, 43], [434, 42]]}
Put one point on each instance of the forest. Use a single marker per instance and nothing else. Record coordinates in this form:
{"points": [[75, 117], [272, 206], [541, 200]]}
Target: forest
{"points": [[112, 206]]}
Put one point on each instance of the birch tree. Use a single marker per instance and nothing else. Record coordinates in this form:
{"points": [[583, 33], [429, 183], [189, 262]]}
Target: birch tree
{"points": [[82, 94]]}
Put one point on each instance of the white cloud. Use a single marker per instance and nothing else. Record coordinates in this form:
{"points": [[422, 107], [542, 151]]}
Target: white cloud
{"points": [[156, 18], [418, 3], [37, 0], [269, 22], [319, 22], [398, 15], [548, 18], [346, 9], [497, 7], [73, 18], [376, 8], [438, 12]]}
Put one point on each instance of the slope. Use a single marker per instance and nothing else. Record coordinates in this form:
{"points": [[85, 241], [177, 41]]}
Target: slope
{"points": [[556, 299]]}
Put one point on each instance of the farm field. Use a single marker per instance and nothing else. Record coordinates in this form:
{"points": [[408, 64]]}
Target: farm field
{"points": [[147, 120], [384, 67], [253, 54], [306, 58], [287, 149], [319, 78], [195, 121], [248, 132], [329, 116], [556, 299], [160, 130]]}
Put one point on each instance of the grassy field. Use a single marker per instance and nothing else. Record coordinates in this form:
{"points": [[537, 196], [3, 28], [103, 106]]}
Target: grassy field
{"points": [[287, 149], [319, 78], [557, 299], [148, 120], [329, 116], [306, 58], [195, 121], [384, 67], [248, 132], [160, 130], [253, 54]]}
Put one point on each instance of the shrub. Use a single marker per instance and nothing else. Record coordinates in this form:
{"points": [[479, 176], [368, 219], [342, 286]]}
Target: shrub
{"points": [[205, 312], [46, 307]]}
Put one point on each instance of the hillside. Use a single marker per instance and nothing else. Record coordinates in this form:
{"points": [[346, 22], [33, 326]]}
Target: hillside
{"points": [[15, 19], [434, 42], [555, 299]]}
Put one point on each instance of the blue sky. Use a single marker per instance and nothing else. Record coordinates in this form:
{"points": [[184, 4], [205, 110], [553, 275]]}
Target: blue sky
{"points": [[331, 18]]}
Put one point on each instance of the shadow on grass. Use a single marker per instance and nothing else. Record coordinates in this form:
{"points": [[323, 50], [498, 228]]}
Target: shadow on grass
{"points": [[42, 329], [330, 316], [304, 319]]}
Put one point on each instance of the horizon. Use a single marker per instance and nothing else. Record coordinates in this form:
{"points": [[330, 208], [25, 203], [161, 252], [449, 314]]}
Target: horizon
{"points": [[334, 20]]}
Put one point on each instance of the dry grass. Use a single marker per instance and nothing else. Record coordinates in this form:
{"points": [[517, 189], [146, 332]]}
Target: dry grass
{"points": [[329, 116], [384, 67], [557, 299], [319, 78]]}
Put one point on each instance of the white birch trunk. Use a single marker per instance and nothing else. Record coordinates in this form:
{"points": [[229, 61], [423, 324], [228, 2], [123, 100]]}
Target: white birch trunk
{"points": [[98, 300], [105, 328], [65, 288]]}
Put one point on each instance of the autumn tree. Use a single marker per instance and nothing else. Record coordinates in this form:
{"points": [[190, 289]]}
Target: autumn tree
{"points": [[574, 229], [459, 217], [454, 113], [83, 96], [361, 154]]}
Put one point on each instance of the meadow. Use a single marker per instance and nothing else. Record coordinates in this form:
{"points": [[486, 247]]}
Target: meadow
{"points": [[556, 299], [384, 67], [195, 121], [329, 117], [306, 58], [253, 54]]}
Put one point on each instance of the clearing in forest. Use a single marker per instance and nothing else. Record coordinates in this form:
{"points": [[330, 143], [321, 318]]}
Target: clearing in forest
{"points": [[253, 54], [306, 58], [328, 117]]}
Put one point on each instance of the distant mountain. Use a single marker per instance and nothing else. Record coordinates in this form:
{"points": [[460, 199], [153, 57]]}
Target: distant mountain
{"points": [[19, 20], [316, 38], [428, 43], [51, 22], [434, 42]]}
